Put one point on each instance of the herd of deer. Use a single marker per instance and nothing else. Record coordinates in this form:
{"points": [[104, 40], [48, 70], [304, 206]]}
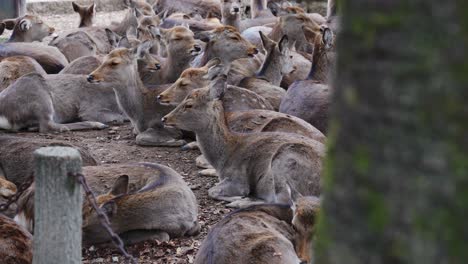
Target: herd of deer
{"points": [[254, 93]]}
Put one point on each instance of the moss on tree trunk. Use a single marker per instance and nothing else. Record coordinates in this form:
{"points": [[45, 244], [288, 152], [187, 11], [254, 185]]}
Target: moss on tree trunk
{"points": [[397, 168]]}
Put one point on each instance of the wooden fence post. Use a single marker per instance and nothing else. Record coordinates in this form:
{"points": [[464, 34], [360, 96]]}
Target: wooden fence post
{"points": [[57, 206]]}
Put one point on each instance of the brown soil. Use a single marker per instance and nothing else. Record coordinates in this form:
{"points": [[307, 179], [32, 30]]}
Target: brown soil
{"points": [[117, 145]]}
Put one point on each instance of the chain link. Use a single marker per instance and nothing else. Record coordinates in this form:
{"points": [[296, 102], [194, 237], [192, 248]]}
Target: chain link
{"points": [[14, 198], [103, 217]]}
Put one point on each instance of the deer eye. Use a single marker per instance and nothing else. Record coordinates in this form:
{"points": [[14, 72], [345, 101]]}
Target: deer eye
{"points": [[114, 63], [188, 106]]}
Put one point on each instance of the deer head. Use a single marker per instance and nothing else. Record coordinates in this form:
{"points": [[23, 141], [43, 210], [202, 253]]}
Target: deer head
{"points": [[189, 80], [28, 28], [227, 44], [86, 13], [92, 229], [201, 107]]}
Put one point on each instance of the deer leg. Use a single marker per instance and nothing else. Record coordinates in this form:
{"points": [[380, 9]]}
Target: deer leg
{"points": [[104, 116], [228, 190], [191, 146], [202, 163], [136, 236], [208, 173], [245, 202], [85, 125], [159, 137]]}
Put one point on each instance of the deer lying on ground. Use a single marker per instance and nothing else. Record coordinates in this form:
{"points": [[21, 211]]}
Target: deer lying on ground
{"points": [[262, 234], [253, 168], [12, 68], [190, 7], [181, 50], [50, 58], [120, 71], [86, 13], [15, 242], [235, 99], [227, 44], [27, 28], [310, 99], [160, 206], [7, 190], [143, 201], [16, 156], [145, 8], [54, 103], [278, 62]]}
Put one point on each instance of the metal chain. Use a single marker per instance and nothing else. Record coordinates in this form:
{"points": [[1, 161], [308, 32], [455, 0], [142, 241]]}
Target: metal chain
{"points": [[19, 191], [103, 217]]}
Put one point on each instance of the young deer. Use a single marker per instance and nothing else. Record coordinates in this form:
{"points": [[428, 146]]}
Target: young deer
{"points": [[15, 241], [147, 201], [7, 190], [278, 62], [120, 71], [50, 58], [28, 28], [86, 13], [16, 156], [181, 50], [143, 201], [12, 68], [231, 13], [261, 234], [235, 99], [253, 168], [310, 99]]}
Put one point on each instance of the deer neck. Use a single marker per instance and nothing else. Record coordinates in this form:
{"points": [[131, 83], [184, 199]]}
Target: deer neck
{"points": [[256, 6], [231, 20], [86, 22], [216, 140], [175, 65], [271, 70], [15, 37], [131, 98], [318, 53]]}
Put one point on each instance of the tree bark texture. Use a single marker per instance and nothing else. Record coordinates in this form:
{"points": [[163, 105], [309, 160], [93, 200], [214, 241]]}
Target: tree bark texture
{"points": [[57, 206], [397, 166]]}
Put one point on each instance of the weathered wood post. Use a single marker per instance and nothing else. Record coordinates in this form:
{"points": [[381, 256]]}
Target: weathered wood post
{"points": [[57, 202]]}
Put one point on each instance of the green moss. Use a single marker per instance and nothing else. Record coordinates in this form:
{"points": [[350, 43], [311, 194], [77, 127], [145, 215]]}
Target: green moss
{"points": [[378, 215]]}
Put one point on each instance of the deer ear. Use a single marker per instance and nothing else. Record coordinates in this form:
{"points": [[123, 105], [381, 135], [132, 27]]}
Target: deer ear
{"points": [[137, 12], [76, 7], [204, 36], [92, 9], [163, 14], [185, 25], [124, 43], [110, 208], [120, 185], [213, 62], [9, 23], [25, 24], [266, 41], [218, 87], [144, 48], [327, 37], [112, 37], [283, 43], [2, 28]]}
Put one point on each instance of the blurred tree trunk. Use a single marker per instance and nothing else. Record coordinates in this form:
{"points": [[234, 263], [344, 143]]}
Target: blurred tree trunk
{"points": [[397, 171]]}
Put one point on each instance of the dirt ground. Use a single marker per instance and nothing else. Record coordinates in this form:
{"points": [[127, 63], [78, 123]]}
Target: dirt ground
{"points": [[117, 145]]}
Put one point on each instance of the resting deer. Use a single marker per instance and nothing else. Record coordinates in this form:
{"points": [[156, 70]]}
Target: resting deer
{"points": [[262, 234], [148, 201], [87, 14], [120, 71], [228, 45], [143, 201], [12, 68], [55, 103], [253, 168], [50, 58], [16, 156], [7, 190], [190, 7], [235, 99], [181, 50], [15, 242], [28, 28], [310, 99], [278, 62]]}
